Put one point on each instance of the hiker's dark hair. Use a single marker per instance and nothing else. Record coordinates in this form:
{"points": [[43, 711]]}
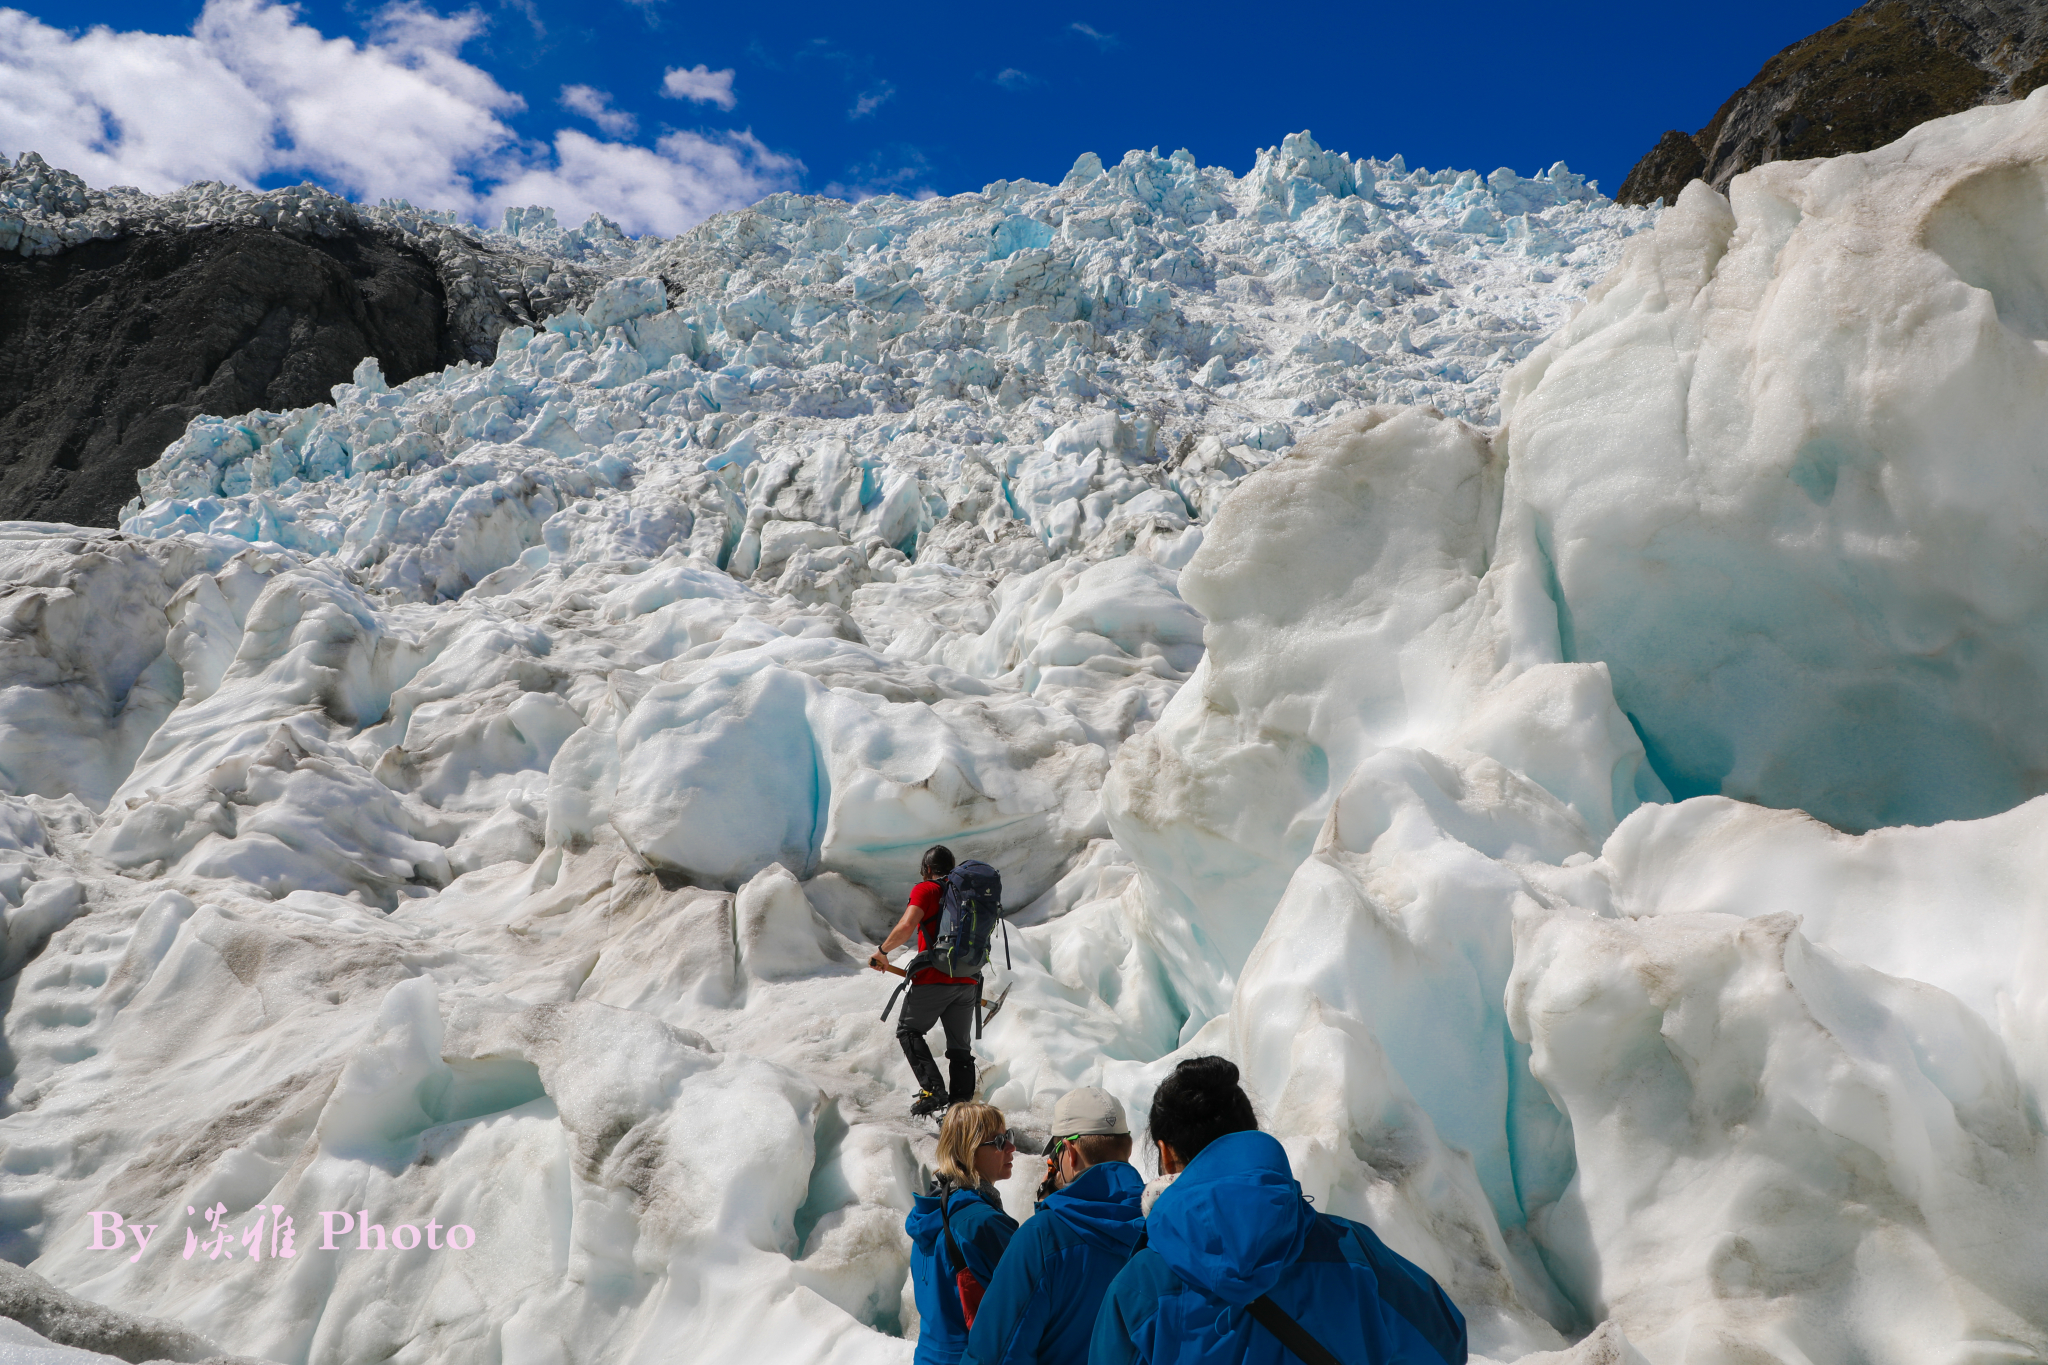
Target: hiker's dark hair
{"points": [[938, 861], [1198, 1103]]}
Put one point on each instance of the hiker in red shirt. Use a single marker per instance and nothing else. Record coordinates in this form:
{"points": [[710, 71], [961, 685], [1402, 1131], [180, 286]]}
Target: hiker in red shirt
{"points": [[933, 997]]}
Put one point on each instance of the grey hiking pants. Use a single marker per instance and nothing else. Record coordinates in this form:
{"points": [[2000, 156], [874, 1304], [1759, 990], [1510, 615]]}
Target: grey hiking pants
{"points": [[950, 1005]]}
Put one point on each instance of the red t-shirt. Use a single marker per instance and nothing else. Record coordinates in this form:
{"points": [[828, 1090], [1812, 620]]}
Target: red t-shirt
{"points": [[925, 896]]}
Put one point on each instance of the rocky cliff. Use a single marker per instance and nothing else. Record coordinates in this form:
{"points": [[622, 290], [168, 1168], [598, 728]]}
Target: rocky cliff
{"points": [[1856, 85], [125, 315], [107, 350]]}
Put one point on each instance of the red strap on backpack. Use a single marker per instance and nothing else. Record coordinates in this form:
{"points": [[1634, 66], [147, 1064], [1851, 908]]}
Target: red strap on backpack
{"points": [[964, 1281], [970, 1294]]}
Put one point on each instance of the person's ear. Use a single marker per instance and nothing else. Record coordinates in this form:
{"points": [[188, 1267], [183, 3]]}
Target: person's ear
{"points": [[1169, 1160]]}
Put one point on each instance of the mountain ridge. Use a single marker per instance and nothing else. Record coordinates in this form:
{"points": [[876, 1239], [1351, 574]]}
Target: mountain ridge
{"points": [[1855, 85]]}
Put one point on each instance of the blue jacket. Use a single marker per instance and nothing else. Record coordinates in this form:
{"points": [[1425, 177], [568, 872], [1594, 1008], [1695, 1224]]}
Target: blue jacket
{"points": [[1041, 1308], [1233, 1227], [982, 1229]]}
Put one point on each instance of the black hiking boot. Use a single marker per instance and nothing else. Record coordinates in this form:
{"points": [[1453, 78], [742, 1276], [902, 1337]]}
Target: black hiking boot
{"points": [[927, 1103]]}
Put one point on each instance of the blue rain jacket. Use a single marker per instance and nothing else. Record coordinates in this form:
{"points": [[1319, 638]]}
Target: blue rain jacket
{"points": [[1041, 1308], [1234, 1226], [982, 1229]]}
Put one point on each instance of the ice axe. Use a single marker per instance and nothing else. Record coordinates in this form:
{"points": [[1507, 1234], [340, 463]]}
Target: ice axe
{"points": [[1001, 996], [991, 1006]]}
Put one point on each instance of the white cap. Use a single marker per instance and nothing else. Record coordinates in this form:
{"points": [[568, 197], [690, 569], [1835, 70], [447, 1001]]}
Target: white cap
{"points": [[1087, 1111]]}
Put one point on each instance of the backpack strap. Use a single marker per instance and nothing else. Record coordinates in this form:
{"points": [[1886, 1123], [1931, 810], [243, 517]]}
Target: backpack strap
{"points": [[1292, 1334], [1274, 1319], [946, 1221], [966, 1283], [910, 971]]}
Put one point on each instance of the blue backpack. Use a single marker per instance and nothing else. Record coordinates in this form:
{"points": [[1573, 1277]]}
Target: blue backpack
{"points": [[970, 907]]}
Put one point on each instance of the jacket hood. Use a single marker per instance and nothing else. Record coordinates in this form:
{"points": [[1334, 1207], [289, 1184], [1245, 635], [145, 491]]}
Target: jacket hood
{"points": [[926, 1225], [1234, 1220], [1101, 1206]]}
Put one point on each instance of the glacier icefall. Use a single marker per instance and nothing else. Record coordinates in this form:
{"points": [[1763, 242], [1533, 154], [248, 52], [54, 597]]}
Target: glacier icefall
{"points": [[881, 367], [471, 800]]}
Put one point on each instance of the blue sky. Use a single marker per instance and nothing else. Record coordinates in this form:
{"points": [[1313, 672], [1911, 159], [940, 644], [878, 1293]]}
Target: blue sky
{"points": [[477, 105]]}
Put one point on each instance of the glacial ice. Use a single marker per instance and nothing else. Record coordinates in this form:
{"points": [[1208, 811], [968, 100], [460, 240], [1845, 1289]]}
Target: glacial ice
{"points": [[1876, 644], [469, 802]]}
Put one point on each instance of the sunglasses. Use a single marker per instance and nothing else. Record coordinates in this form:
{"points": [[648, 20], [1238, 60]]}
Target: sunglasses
{"points": [[1004, 1140]]}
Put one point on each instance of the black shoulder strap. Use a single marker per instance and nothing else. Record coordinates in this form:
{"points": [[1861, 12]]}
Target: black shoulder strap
{"points": [[946, 1222], [1274, 1319], [1292, 1334]]}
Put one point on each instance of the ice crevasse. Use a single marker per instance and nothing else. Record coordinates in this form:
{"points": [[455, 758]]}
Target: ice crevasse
{"points": [[1607, 841]]}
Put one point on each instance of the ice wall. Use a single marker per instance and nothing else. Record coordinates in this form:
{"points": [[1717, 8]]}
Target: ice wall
{"points": [[1786, 469]]}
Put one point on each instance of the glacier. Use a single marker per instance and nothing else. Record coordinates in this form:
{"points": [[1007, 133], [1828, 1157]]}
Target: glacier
{"points": [[1547, 687]]}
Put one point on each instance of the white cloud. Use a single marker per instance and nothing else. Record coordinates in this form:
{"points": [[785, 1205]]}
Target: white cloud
{"points": [[130, 108], [596, 105], [1094, 35], [701, 84], [871, 99], [403, 117], [253, 93], [1010, 78], [679, 182]]}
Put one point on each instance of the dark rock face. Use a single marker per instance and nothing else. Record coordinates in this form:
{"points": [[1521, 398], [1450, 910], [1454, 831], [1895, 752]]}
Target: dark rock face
{"points": [[1676, 160], [109, 348], [1856, 85]]}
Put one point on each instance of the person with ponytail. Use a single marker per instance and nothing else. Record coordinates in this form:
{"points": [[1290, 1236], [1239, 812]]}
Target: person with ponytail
{"points": [[1238, 1269], [959, 1231]]}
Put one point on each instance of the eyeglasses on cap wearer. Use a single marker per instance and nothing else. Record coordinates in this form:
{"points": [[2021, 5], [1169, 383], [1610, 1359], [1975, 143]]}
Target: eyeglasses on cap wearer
{"points": [[1003, 1139]]}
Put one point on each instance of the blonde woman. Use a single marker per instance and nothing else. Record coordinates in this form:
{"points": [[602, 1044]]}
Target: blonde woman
{"points": [[960, 1226]]}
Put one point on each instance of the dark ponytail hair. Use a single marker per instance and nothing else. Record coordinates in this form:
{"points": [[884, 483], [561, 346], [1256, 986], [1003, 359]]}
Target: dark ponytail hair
{"points": [[1198, 1103], [938, 861]]}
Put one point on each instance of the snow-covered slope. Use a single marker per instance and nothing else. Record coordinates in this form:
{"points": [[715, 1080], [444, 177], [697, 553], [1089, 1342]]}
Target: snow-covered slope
{"points": [[469, 803]]}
